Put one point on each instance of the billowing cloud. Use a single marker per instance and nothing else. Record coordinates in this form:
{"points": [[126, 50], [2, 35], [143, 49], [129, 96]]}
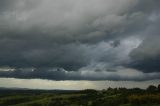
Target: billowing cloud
{"points": [[77, 35], [146, 56], [85, 74]]}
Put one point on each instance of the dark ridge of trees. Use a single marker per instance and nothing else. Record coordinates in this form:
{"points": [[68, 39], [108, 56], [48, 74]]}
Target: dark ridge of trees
{"points": [[89, 97], [152, 88], [158, 87]]}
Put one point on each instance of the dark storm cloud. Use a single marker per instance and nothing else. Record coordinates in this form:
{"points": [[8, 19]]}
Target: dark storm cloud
{"points": [[79, 35], [36, 38], [70, 57], [147, 56], [61, 74], [115, 43]]}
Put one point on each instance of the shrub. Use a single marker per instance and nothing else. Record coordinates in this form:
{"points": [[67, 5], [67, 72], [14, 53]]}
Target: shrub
{"points": [[144, 99]]}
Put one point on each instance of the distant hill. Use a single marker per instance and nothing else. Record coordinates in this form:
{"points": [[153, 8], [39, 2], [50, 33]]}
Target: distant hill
{"points": [[4, 90]]}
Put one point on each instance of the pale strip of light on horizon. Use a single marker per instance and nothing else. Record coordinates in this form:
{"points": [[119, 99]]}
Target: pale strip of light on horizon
{"points": [[72, 85]]}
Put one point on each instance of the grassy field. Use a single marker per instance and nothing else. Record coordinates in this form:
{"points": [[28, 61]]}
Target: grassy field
{"points": [[109, 97]]}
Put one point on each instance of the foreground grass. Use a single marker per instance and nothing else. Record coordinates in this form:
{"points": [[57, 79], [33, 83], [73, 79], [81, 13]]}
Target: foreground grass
{"points": [[110, 97]]}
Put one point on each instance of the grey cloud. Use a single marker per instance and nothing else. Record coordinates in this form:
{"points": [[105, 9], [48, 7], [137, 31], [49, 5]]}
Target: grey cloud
{"points": [[147, 56], [71, 56], [115, 43], [66, 22], [61, 74], [73, 34]]}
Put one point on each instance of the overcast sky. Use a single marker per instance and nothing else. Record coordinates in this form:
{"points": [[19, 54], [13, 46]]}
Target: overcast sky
{"points": [[94, 40]]}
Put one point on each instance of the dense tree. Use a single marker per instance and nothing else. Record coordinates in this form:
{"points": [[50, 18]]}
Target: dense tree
{"points": [[158, 87], [88, 97], [151, 88]]}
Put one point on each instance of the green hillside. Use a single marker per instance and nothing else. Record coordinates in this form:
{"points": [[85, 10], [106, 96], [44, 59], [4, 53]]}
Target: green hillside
{"points": [[89, 97]]}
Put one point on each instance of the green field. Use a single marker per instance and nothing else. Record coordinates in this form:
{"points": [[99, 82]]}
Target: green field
{"points": [[108, 97]]}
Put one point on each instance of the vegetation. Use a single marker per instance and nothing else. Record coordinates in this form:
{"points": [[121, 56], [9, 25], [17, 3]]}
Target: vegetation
{"points": [[89, 97]]}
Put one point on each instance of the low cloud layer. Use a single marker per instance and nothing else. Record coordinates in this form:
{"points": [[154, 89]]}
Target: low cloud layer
{"points": [[79, 40], [97, 74]]}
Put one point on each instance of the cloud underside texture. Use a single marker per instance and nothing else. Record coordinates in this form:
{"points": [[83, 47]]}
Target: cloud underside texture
{"points": [[79, 40]]}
